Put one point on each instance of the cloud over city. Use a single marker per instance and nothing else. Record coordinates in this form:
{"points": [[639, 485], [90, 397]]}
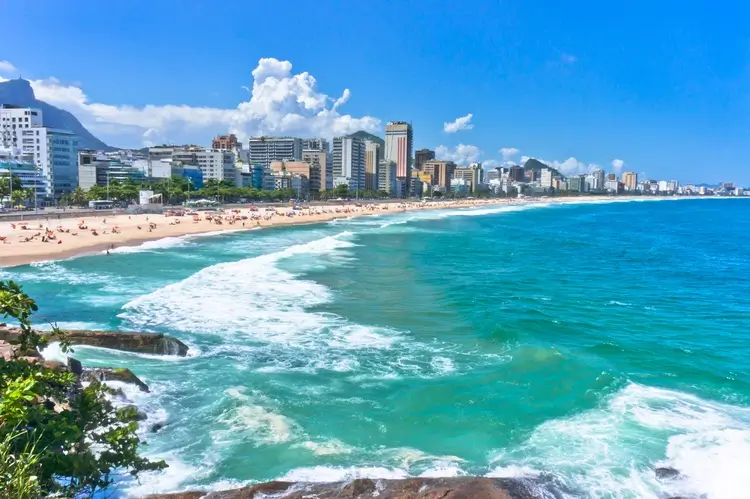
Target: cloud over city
{"points": [[461, 154], [281, 103], [7, 68], [462, 123]]}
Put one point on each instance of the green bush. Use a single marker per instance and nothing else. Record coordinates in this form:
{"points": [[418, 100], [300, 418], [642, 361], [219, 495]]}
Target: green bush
{"points": [[71, 439]]}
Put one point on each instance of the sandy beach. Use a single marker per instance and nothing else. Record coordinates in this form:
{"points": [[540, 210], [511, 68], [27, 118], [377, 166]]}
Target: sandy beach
{"points": [[50, 239]]}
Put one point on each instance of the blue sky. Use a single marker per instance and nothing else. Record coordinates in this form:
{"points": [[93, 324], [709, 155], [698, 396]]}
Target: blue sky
{"points": [[663, 86]]}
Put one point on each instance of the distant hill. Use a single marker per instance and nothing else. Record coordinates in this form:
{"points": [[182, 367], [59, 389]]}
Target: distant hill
{"points": [[536, 165], [19, 93], [368, 136]]}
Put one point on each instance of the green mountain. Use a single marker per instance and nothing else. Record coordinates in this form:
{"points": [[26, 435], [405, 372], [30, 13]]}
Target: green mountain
{"points": [[536, 165], [368, 136]]}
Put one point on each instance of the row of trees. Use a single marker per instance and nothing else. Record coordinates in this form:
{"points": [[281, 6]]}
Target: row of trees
{"points": [[177, 190], [57, 438]]}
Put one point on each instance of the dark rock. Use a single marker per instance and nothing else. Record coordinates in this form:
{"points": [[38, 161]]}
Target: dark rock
{"points": [[154, 428], [411, 488], [153, 343], [122, 374], [119, 393], [667, 473], [75, 366]]}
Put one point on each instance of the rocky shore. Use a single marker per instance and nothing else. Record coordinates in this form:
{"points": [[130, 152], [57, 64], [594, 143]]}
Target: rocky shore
{"points": [[542, 487], [151, 343]]}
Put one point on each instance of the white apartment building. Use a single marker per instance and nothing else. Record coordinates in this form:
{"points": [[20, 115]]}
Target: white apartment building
{"points": [[214, 163], [263, 150], [349, 162], [546, 178], [54, 152], [597, 183]]}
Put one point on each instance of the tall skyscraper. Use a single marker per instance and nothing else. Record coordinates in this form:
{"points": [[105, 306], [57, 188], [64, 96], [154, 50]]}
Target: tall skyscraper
{"points": [[630, 180], [422, 156], [516, 173], [263, 150], [546, 178], [372, 160], [349, 162], [598, 183], [398, 148]]}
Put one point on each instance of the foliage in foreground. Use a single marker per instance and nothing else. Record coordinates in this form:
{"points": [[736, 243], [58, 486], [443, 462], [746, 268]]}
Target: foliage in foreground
{"points": [[55, 436]]}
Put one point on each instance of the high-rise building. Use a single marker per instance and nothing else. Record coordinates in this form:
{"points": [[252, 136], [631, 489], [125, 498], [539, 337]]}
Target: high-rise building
{"points": [[263, 150], [598, 180], [471, 174], [387, 176], [372, 160], [422, 156], [349, 162], [611, 176], [577, 183], [398, 148], [226, 143], [630, 180], [546, 178], [315, 144], [53, 151], [215, 164], [94, 168], [516, 173], [441, 173]]}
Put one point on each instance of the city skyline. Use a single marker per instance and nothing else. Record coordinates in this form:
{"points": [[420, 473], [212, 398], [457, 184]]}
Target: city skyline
{"points": [[493, 87]]}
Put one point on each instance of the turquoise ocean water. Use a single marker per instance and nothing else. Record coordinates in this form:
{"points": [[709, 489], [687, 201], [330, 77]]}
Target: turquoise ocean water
{"points": [[586, 342]]}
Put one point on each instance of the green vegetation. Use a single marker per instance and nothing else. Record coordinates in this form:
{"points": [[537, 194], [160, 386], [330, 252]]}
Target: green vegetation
{"points": [[56, 437]]}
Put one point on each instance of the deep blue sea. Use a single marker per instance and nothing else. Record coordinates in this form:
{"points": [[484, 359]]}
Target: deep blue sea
{"points": [[588, 343]]}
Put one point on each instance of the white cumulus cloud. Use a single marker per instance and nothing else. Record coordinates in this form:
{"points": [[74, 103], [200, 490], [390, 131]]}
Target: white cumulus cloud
{"points": [[281, 103], [461, 154], [462, 123], [7, 68], [508, 153], [570, 166], [617, 165]]}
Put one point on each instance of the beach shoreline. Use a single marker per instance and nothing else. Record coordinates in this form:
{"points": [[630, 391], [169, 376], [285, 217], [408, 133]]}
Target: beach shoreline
{"points": [[25, 246]]}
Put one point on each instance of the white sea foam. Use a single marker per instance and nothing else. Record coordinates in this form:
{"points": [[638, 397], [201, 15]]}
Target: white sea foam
{"points": [[256, 299], [171, 242], [335, 474], [325, 448], [252, 417], [604, 452]]}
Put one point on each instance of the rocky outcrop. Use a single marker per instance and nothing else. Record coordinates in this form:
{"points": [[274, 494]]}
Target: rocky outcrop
{"points": [[153, 343], [410, 488], [103, 374]]}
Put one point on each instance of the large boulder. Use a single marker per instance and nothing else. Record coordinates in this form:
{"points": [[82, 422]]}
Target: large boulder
{"points": [[104, 374], [152, 343]]}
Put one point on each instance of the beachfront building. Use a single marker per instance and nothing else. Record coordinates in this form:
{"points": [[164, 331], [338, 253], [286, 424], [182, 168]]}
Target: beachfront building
{"points": [[440, 172], [28, 173], [386, 176], [630, 181], [349, 162], [545, 182], [398, 148], [301, 168], [95, 168], [422, 156], [54, 151], [316, 153], [215, 164], [612, 185], [372, 160], [263, 150], [577, 183], [598, 180], [460, 186], [472, 174]]}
